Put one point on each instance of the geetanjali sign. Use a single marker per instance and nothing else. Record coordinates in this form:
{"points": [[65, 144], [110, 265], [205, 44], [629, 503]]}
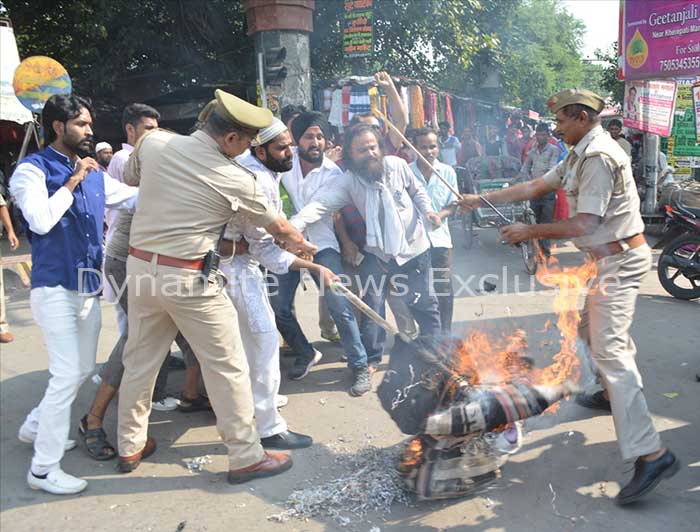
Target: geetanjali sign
{"points": [[649, 106], [660, 38]]}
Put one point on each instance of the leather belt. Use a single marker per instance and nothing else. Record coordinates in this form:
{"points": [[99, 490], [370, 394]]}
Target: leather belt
{"points": [[613, 248], [164, 260]]}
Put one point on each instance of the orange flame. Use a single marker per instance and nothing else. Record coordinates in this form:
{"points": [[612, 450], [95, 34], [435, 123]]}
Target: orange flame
{"points": [[412, 455], [486, 360], [570, 284]]}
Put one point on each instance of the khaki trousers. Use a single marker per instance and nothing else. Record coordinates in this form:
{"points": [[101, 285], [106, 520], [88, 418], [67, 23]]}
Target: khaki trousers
{"points": [[605, 327], [163, 300]]}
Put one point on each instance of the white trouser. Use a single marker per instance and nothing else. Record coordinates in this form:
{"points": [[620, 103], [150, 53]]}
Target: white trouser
{"points": [[256, 321], [71, 326]]}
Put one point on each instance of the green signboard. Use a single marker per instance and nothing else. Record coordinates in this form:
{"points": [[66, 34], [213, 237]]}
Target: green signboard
{"points": [[358, 31]]}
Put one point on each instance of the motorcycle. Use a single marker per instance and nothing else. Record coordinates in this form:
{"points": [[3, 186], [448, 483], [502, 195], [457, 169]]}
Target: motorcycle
{"points": [[679, 263]]}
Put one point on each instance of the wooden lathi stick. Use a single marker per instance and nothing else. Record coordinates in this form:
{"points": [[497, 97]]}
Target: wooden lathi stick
{"points": [[456, 192], [365, 309], [381, 115]]}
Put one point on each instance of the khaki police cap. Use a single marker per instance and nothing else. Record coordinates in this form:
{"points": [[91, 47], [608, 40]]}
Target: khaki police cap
{"points": [[573, 96], [240, 111], [206, 111]]}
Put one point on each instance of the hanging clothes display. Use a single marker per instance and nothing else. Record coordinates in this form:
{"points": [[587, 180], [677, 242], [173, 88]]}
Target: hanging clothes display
{"points": [[327, 99], [406, 99], [433, 103], [335, 116], [346, 104], [417, 115], [359, 100], [426, 106], [448, 113]]}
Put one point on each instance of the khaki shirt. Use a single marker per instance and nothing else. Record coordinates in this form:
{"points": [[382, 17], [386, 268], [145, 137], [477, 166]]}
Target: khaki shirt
{"points": [[188, 191], [597, 179]]}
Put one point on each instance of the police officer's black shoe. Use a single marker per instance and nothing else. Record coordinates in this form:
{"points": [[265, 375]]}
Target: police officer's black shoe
{"points": [[647, 474], [594, 401]]}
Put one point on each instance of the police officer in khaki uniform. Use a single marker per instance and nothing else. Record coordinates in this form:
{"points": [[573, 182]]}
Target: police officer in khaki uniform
{"points": [[604, 221], [190, 187]]}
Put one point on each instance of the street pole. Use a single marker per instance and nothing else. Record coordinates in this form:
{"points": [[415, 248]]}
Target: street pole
{"points": [[651, 172], [283, 24], [261, 80]]}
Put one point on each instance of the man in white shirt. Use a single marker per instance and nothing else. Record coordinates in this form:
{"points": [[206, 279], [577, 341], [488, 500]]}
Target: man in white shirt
{"points": [[270, 154], [442, 199], [393, 204], [541, 158], [312, 173], [62, 198], [103, 154]]}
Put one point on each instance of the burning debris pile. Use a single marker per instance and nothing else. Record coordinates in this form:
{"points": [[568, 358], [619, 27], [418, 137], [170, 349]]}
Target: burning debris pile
{"points": [[370, 482], [462, 398]]}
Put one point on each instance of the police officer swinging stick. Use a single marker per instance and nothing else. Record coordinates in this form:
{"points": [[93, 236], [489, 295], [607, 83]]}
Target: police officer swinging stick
{"points": [[606, 223]]}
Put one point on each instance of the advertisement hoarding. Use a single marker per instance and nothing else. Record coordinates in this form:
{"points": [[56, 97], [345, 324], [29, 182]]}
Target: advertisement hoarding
{"points": [[648, 106], [660, 39]]}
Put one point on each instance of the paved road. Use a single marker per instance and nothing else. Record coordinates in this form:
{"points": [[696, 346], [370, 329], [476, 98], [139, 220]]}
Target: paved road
{"points": [[572, 455]]}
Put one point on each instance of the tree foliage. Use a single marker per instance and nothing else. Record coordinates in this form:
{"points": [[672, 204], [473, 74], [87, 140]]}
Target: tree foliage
{"points": [[540, 52], [534, 45], [427, 39], [609, 82], [117, 47], [112, 47]]}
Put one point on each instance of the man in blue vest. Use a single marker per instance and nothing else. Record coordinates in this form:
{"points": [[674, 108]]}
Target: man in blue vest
{"points": [[62, 194]]}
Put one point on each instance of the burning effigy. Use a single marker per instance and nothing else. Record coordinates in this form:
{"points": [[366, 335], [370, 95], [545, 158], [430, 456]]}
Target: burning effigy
{"points": [[463, 420], [462, 399]]}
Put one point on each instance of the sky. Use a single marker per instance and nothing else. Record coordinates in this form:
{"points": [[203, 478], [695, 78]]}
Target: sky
{"points": [[601, 20]]}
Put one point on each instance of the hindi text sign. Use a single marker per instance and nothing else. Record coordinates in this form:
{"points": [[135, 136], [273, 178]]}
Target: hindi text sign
{"points": [[358, 31], [649, 105]]}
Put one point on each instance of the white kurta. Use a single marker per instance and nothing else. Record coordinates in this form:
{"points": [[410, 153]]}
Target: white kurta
{"points": [[247, 290]]}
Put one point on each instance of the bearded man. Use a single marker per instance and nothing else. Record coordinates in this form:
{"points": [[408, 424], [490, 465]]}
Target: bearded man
{"points": [[393, 203], [311, 174]]}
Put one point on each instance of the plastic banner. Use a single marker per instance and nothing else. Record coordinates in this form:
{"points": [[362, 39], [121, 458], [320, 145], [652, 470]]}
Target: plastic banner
{"points": [[649, 105]]}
